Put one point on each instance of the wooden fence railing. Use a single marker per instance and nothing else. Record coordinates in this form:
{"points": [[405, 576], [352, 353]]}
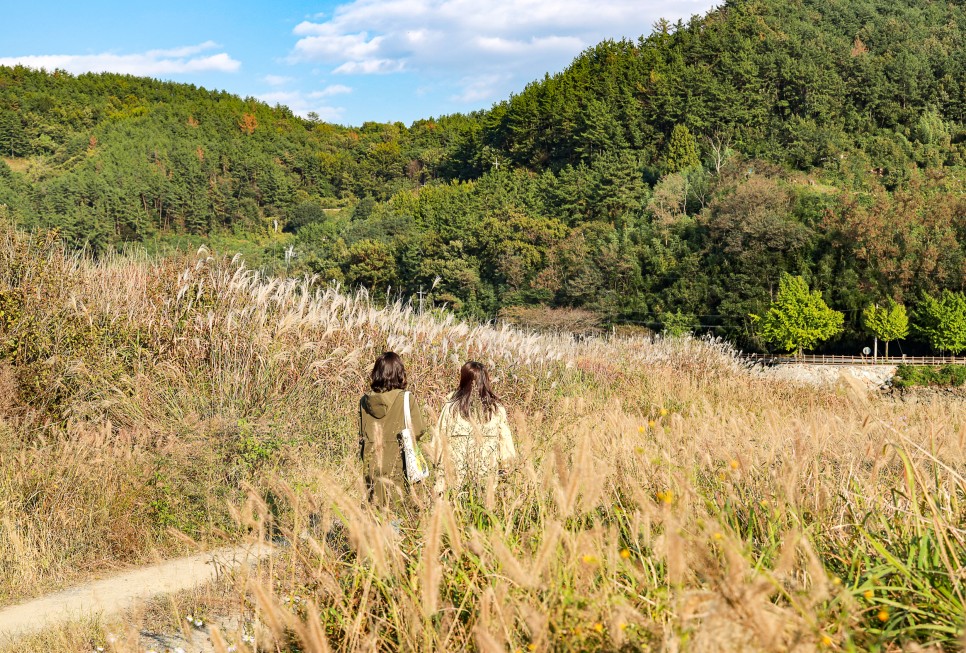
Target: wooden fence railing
{"points": [[821, 359]]}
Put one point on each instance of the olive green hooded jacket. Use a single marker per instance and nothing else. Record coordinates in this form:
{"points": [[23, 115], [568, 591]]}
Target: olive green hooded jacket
{"points": [[381, 419]]}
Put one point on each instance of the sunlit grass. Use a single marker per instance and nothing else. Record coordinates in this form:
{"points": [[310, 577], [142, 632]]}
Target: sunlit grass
{"points": [[664, 498]]}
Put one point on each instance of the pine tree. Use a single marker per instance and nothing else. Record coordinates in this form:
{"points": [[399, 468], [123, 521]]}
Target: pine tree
{"points": [[13, 138], [682, 150]]}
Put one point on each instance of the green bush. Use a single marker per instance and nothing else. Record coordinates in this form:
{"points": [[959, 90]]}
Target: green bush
{"points": [[908, 376]]}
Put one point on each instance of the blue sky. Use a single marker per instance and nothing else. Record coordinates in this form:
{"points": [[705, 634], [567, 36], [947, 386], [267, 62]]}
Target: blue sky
{"points": [[349, 62]]}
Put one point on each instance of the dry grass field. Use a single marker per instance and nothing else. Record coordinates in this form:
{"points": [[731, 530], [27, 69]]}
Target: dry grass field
{"points": [[665, 498]]}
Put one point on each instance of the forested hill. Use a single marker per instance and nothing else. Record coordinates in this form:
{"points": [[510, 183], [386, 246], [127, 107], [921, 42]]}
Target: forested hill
{"points": [[667, 182], [797, 82], [110, 158]]}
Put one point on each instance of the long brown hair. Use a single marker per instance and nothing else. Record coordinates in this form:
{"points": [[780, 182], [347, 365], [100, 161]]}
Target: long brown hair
{"points": [[388, 373], [475, 383]]}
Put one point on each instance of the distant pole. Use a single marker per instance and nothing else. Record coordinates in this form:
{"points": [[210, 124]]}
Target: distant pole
{"points": [[420, 293]]}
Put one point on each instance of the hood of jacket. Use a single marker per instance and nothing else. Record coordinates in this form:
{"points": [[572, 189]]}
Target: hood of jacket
{"points": [[378, 404]]}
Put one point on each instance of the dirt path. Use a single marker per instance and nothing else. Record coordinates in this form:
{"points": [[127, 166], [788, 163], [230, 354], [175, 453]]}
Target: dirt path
{"points": [[118, 593]]}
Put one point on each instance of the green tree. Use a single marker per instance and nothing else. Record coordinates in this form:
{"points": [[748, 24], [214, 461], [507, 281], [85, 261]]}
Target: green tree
{"points": [[601, 131], [371, 264], [13, 139], [942, 322], [619, 189], [682, 150], [886, 323], [677, 324], [798, 319]]}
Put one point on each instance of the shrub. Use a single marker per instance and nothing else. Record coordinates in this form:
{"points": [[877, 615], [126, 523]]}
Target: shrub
{"points": [[929, 375], [552, 320]]}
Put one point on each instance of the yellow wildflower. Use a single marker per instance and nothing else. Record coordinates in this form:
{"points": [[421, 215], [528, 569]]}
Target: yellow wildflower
{"points": [[717, 537], [663, 412], [651, 423], [589, 559], [625, 554], [734, 463], [640, 429], [599, 627], [883, 615], [826, 640], [868, 594]]}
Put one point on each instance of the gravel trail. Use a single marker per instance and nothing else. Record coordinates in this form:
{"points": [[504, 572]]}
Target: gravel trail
{"points": [[113, 595]]}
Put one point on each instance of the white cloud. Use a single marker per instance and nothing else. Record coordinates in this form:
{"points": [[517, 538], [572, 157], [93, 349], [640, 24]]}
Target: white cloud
{"points": [[332, 89], [481, 49], [277, 80], [153, 63], [479, 88], [184, 51], [302, 104], [370, 67]]}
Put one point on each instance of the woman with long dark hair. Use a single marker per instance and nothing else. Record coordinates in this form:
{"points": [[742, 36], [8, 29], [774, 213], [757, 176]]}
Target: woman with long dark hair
{"points": [[382, 418], [474, 429]]}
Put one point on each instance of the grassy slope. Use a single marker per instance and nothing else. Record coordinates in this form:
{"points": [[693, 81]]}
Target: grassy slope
{"points": [[663, 496]]}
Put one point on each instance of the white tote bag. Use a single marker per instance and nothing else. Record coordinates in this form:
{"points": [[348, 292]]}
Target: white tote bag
{"points": [[413, 462]]}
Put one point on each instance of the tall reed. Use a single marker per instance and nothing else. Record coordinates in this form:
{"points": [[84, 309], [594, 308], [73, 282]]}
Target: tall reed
{"points": [[664, 497]]}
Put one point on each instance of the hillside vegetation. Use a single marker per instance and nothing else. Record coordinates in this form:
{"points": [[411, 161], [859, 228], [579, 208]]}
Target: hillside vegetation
{"points": [[159, 395], [667, 182], [664, 496]]}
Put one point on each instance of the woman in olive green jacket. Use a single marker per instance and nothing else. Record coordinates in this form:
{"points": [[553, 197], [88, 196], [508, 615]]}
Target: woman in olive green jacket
{"points": [[381, 419]]}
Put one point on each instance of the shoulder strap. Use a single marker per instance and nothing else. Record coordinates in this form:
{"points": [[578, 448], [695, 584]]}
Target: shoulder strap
{"points": [[406, 414]]}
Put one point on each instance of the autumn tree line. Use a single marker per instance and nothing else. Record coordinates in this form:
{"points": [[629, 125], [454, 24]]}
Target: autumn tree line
{"points": [[670, 183]]}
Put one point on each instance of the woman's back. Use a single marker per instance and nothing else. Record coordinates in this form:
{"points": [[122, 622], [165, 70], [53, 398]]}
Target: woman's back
{"points": [[473, 427], [458, 426], [381, 419], [381, 415]]}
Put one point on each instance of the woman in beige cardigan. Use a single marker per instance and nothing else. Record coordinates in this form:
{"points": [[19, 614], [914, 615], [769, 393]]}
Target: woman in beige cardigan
{"points": [[474, 438]]}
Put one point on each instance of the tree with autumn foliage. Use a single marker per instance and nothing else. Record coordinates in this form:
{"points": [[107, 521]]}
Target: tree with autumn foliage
{"points": [[248, 123]]}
